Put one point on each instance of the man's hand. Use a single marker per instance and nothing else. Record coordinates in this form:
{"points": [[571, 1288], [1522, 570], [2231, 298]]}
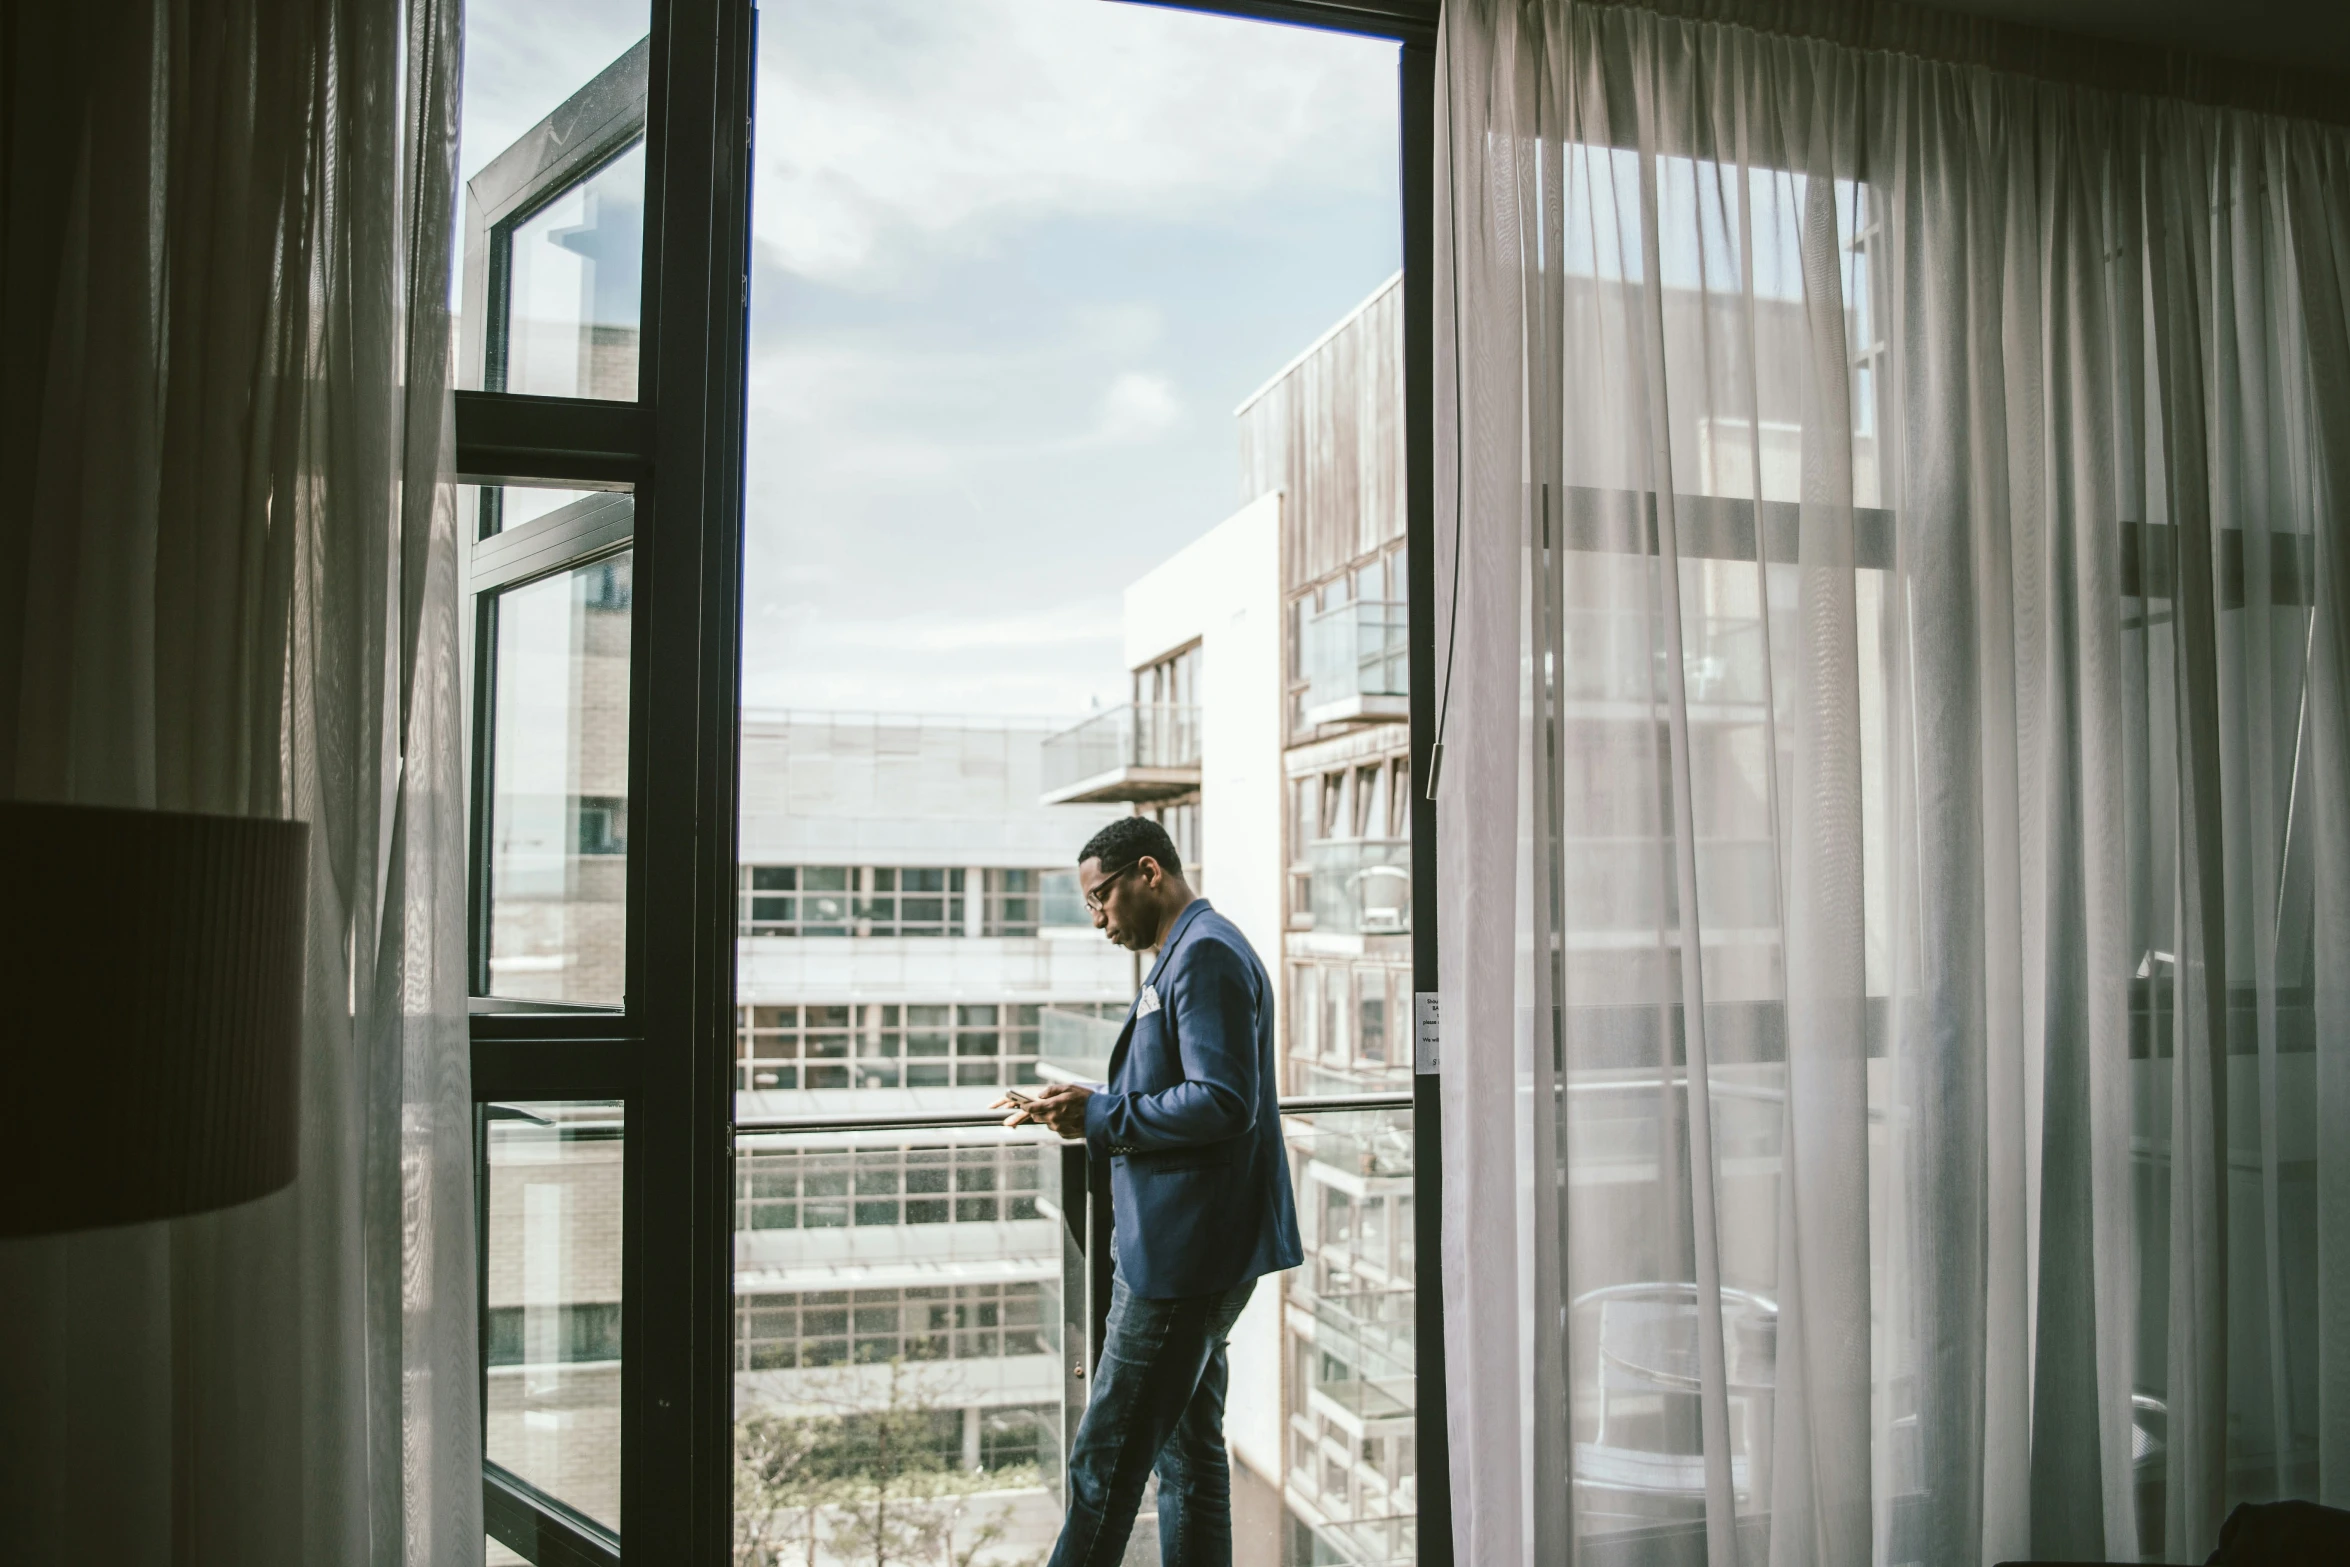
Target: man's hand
{"points": [[1060, 1108]]}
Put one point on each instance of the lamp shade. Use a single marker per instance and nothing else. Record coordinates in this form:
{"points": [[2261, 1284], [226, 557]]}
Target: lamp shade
{"points": [[150, 1012]]}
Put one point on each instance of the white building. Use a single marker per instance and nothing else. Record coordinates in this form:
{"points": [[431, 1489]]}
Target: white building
{"points": [[1269, 730], [909, 920]]}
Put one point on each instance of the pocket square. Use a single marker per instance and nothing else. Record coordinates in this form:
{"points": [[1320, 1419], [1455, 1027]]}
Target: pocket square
{"points": [[1149, 1002]]}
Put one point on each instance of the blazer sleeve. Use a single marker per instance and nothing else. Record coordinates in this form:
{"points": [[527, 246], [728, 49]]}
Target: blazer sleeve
{"points": [[1213, 1008]]}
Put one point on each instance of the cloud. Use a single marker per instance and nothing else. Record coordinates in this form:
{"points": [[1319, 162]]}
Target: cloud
{"points": [[518, 69], [1052, 663], [1057, 626], [1138, 407], [899, 133]]}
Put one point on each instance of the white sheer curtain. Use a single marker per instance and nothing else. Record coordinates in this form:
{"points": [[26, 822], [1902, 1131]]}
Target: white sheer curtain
{"points": [[1895, 822], [227, 584]]}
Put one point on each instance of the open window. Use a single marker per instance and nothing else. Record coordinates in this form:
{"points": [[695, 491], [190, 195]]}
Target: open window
{"points": [[771, 886]]}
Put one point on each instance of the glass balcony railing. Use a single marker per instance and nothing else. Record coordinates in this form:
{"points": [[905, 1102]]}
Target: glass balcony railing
{"points": [[1362, 886], [1146, 751], [919, 1301], [1357, 664], [1076, 1044]]}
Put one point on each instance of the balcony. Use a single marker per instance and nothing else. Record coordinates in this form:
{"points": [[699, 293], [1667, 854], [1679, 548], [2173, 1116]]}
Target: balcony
{"points": [[920, 1298], [1127, 754], [1357, 664], [1362, 886]]}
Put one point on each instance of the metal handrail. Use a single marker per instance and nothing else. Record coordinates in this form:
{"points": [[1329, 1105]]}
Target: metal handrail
{"points": [[932, 1120]]}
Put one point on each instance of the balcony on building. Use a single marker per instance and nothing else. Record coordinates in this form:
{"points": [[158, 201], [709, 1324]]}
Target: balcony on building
{"points": [[1142, 752], [1361, 886], [1357, 664]]}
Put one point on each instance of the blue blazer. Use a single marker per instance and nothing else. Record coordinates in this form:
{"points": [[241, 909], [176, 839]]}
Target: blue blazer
{"points": [[1199, 1180]]}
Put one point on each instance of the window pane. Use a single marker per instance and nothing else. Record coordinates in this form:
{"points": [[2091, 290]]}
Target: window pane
{"points": [[551, 1300], [549, 278], [558, 869], [495, 508], [574, 280]]}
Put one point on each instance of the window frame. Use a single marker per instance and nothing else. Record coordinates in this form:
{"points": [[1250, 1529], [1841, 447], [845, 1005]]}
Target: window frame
{"points": [[668, 1053]]}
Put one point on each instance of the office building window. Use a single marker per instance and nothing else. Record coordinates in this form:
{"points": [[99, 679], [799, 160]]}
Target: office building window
{"points": [[1348, 1025], [1173, 681], [1370, 802], [806, 1188], [603, 824], [815, 1328], [852, 900], [886, 1045], [1014, 902], [1181, 819]]}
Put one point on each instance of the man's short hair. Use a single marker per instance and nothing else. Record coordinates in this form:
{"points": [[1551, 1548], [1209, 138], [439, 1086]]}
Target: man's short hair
{"points": [[1128, 839]]}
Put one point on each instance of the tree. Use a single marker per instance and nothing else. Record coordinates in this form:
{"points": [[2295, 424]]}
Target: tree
{"points": [[881, 1484], [786, 1470]]}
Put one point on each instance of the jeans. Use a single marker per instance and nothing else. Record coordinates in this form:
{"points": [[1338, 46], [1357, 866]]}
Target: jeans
{"points": [[1157, 1404]]}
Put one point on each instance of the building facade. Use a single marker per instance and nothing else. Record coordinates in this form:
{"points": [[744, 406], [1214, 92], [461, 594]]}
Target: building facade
{"points": [[1270, 726], [911, 940]]}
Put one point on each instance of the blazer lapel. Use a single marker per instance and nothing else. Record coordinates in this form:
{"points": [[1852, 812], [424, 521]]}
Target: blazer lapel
{"points": [[1126, 1034]]}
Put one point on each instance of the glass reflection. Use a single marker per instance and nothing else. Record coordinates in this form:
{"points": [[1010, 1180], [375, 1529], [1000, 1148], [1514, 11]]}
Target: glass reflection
{"points": [[559, 787], [574, 287], [551, 1298]]}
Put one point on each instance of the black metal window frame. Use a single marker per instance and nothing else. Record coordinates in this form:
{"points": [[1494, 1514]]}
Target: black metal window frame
{"points": [[674, 461]]}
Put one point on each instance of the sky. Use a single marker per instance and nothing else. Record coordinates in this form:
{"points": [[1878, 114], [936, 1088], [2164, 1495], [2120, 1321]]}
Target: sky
{"points": [[1015, 264]]}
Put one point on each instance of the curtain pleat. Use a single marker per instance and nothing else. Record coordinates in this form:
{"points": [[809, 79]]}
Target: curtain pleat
{"points": [[232, 589], [1892, 830]]}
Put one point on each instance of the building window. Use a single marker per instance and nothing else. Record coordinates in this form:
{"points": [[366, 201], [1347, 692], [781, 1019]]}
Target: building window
{"points": [[1371, 1016], [1370, 802], [1380, 581], [1014, 902], [1303, 797], [572, 1333], [886, 1045], [1181, 819], [802, 1188], [603, 824], [852, 900], [814, 1328], [1173, 681], [1349, 1028]]}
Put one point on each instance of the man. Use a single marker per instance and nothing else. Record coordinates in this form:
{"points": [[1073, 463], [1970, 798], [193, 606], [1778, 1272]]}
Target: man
{"points": [[1199, 1187]]}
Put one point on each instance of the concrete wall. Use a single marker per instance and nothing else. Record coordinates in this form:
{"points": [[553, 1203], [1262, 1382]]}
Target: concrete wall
{"points": [[883, 789], [1224, 592]]}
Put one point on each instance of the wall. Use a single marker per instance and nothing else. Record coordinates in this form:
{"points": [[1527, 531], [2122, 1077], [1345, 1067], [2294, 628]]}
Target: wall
{"points": [[1224, 592], [1327, 432]]}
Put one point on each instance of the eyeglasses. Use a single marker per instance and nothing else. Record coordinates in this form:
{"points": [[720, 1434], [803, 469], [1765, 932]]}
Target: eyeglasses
{"points": [[1094, 899]]}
